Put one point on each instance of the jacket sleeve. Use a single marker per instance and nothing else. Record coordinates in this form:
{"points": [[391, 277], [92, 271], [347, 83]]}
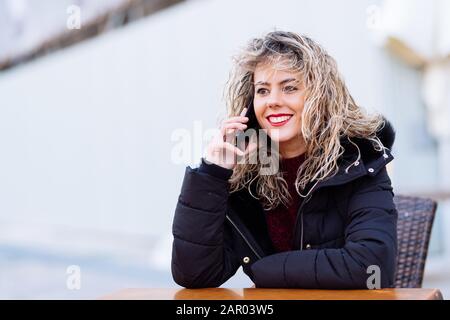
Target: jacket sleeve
{"points": [[201, 256], [370, 239]]}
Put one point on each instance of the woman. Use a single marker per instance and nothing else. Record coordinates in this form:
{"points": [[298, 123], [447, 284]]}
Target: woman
{"points": [[326, 217]]}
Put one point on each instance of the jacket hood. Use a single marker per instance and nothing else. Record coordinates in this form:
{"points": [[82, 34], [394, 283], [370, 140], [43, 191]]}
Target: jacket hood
{"points": [[386, 135], [361, 157]]}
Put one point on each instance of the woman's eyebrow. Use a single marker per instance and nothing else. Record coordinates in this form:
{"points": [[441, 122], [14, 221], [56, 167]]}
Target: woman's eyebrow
{"points": [[265, 83]]}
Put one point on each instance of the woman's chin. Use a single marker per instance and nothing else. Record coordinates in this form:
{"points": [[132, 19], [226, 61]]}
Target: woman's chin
{"points": [[280, 137]]}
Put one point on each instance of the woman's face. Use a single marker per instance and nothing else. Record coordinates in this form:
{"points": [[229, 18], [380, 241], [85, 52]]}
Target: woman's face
{"points": [[279, 100]]}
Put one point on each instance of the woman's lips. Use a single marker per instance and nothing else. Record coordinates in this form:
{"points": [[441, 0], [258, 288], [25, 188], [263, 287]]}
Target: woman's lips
{"points": [[279, 123]]}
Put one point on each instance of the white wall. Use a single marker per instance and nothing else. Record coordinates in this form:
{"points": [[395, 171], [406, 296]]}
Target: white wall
{"points": [[85, 133]]}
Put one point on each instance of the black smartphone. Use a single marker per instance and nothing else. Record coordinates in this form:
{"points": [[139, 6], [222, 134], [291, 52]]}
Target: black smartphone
{"points": [[252, 123]]}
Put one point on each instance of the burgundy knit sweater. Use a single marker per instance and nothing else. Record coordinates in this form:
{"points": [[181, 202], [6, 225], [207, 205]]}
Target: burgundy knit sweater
{"points": [[281, 220]]}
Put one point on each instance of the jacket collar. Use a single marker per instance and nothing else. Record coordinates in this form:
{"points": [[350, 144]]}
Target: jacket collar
{"points": [[361, 158]]}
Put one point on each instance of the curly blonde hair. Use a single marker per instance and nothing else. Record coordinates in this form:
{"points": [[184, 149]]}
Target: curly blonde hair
{"points": [[329, 112]]}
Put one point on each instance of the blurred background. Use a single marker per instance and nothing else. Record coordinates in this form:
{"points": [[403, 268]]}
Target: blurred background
{"points": [[96, 96]]}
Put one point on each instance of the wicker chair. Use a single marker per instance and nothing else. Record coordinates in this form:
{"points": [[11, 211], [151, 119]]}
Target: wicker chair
{"points": [[415, 220]]}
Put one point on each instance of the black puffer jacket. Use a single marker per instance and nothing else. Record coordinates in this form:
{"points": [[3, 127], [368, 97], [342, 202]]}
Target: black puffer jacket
{"points": [[347, 224]]}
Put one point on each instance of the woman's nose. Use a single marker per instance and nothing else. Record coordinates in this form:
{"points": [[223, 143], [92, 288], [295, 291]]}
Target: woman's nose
{"points": [[274, 99]]}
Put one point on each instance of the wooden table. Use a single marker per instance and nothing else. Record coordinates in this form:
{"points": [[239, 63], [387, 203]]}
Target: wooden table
{"points": [[274, 294]]}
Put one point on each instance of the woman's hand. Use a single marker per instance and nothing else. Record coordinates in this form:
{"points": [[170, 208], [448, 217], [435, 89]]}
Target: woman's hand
{"points": [[221, 151]]}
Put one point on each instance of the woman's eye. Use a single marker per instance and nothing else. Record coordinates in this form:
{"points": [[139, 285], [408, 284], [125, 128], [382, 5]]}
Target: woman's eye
{"points": [[261, 91], [290, 88]]}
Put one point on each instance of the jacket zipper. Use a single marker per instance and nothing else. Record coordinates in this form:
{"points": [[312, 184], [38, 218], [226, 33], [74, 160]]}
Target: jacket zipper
{"points": [[243, 237], [301, 235], [300, 212]]}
